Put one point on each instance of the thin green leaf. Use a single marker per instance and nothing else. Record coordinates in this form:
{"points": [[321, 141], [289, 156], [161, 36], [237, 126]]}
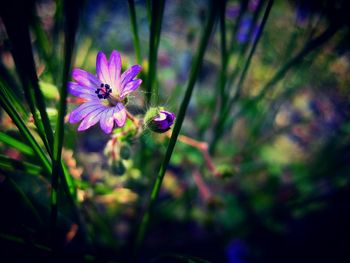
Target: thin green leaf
{"points": [[12, 96], [156, 24], [133, 21], [71, 14], [12, 142], [18, 32], [9, 164], [225, 111], [11, 111]]}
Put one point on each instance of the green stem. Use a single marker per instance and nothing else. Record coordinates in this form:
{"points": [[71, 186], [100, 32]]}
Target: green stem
{"points": [[242, 9], [223, 72], [230, 51], [251, 53], [156, 24], [181, 115], [149, 11], [13, 113], [12, 142], [18, 32], [244, 48], [223, 116], [71, 10], [136, 40], [12, 165], [310, 46], [294, 61], [14, 97]]}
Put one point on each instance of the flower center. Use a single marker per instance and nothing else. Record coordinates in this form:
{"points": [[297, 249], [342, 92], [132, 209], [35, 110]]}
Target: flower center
{"points": [[104, 91]]}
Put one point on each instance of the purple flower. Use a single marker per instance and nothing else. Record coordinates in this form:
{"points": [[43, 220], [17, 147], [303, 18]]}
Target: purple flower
{"points": [[105, 94], [159, 120], [163, 121]]}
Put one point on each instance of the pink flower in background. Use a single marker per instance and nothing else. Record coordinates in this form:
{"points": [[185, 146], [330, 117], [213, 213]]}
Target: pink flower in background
{"points": [[105, 94]]}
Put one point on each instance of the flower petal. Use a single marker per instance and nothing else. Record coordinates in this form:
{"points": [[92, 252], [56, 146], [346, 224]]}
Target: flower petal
{"points": [[102, 68], [91, 119], [114, 67], [161, 116], [129, 75], [119, 114], [83, 110], [85, 78], [81, 91], [130, 87], [106, 120]]}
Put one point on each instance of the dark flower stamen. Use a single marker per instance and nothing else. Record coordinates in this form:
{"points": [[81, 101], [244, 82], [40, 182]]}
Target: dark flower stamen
{"points": [[104, 91]]}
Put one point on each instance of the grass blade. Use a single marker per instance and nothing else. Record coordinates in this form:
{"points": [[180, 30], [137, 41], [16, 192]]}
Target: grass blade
{"points": [[71, 11], [11, 111], [156, 24], [244, 47], [18, 32], [13, 97], [242, 10], [223, 72], [9, 164], [310, 46], [12, 142], [136, 40], [223, 116]]}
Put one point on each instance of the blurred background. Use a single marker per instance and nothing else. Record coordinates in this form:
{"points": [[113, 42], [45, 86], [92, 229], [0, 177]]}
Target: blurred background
{"points": [[260, 171]]}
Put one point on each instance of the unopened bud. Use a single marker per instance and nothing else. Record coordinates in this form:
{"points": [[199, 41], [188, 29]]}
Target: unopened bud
{"points": [[159, 120]]}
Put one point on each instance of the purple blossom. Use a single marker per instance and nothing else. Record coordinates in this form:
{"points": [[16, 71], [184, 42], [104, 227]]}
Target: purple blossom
{"points": [[164, 120], [105, 94], [159, 120]]}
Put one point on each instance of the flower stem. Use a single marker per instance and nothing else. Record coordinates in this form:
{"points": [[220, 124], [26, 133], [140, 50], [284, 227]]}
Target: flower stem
{"points": [[203, 148], [8, 106], [71, 14], [156, 24], [224, 58], [180, 117], [136, 40], [149, 12], [244, 48], [135, 120]]}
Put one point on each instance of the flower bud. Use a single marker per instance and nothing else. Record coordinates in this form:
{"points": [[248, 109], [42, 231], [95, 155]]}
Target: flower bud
{"points": [[118, 167], [159, 120], [125, 152]]}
